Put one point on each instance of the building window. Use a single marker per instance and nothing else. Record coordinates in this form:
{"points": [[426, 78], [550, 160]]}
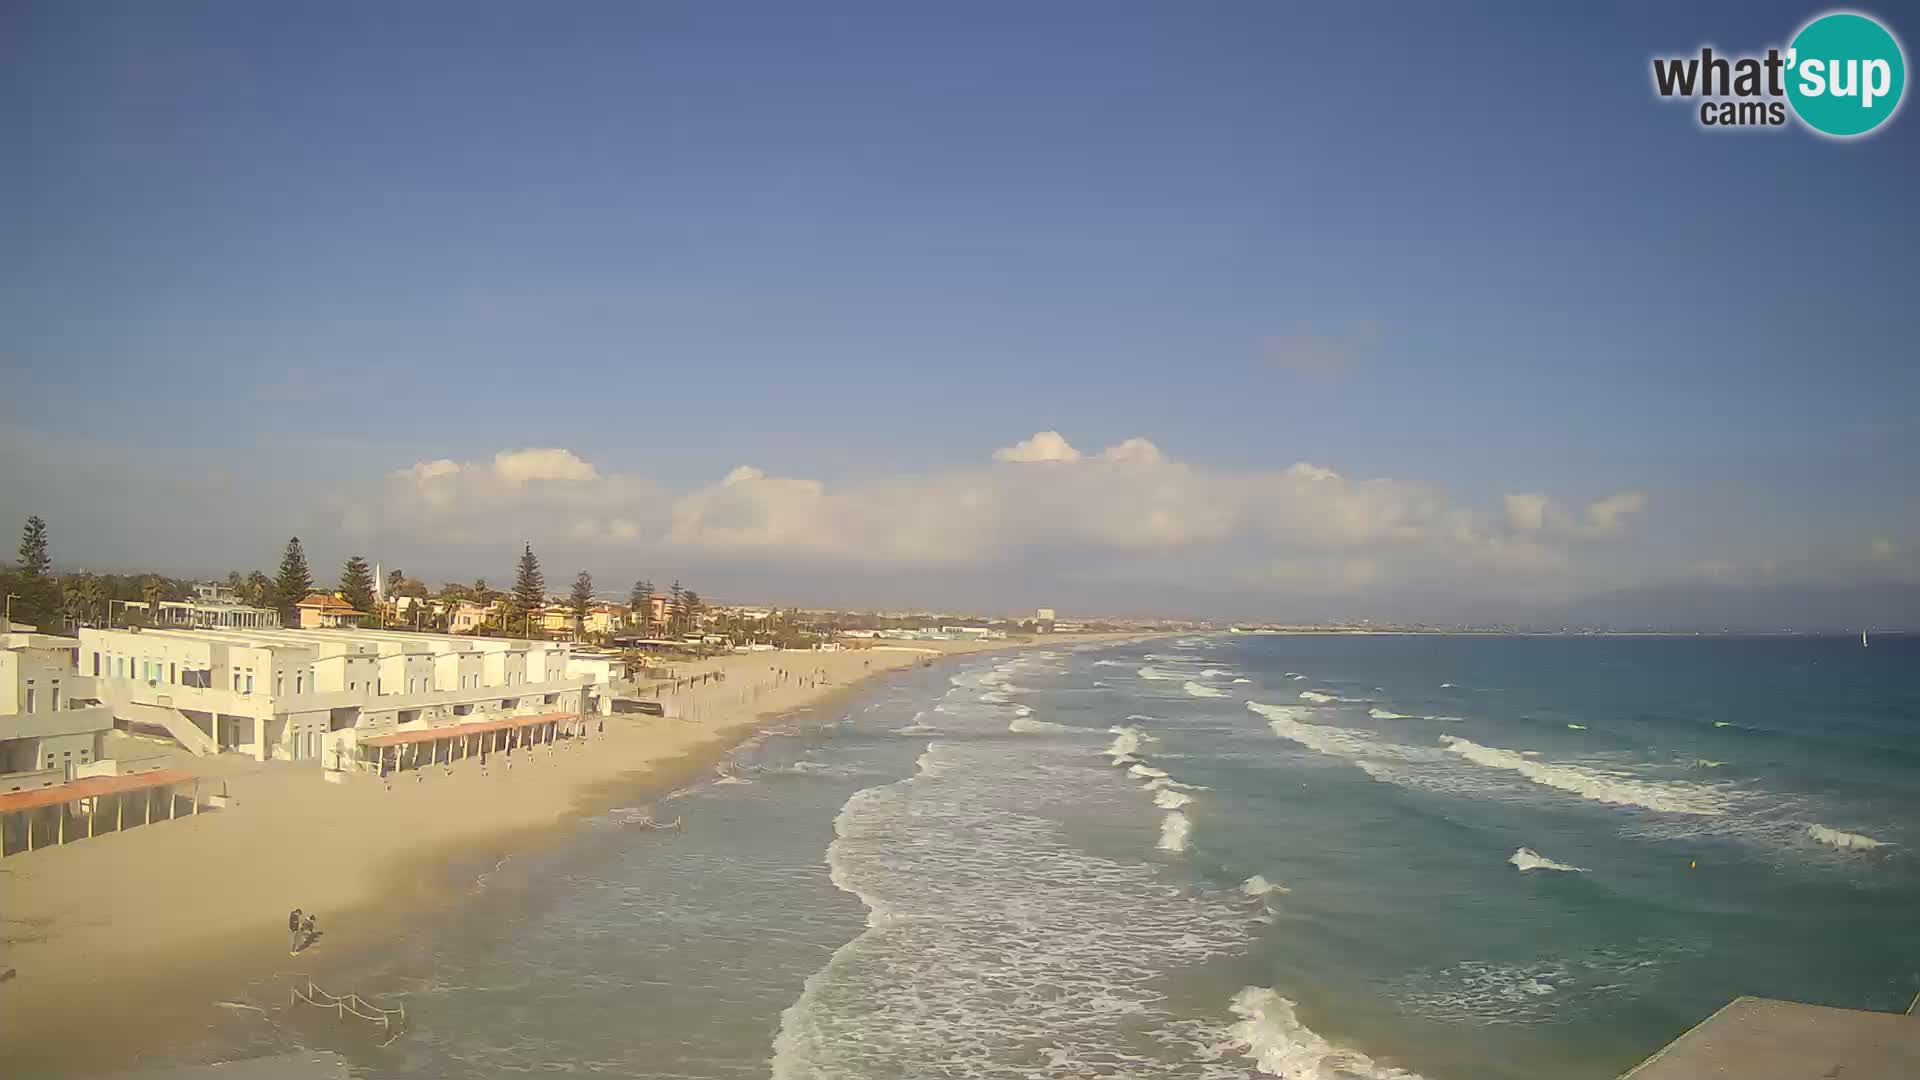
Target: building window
{"points": [[32, 695], [96, 665], [236, 680], [55, 699], [173, 673], [299, 681], [249, 684]]}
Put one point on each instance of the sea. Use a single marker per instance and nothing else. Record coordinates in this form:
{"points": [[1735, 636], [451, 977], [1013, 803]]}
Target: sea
{"points": [[1218, 856]]}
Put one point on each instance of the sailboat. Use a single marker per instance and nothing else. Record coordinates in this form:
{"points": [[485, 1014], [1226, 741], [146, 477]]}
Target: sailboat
{"points": [[1863, 638]]}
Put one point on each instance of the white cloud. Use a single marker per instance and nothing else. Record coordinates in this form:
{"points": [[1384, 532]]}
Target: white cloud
{"points": [[1607, 517], [1304, 527], [1533, 512], [1527, 512], [521, 467], [1044, 446]]}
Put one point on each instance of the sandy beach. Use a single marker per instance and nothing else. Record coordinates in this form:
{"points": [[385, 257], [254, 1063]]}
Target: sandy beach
{"points": [[148, 925]]}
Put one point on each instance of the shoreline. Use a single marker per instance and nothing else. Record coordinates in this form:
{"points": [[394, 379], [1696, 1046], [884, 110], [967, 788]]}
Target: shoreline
{"points": [[152, 925]]}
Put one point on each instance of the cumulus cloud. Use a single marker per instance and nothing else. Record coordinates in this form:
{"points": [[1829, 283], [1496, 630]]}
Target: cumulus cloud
{"points": [[1304, 527], [1603, 519], [1306, 352], [1043, 446], [1608, 516]]}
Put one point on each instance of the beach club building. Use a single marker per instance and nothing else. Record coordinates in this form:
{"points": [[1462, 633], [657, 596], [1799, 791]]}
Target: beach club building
{"points": [[315, 695]]}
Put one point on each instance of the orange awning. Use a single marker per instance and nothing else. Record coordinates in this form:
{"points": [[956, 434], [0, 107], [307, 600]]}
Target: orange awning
{"points": [[75, 790], [457, 731]]}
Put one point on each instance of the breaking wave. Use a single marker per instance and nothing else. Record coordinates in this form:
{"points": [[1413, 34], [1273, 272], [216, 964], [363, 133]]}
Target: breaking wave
{"points": [[1169, 799], [1281, 1045], [1173, 831], [1593, 784], [1844, 841], [1526, 859], [1194, 689], [1028, 726], [1383, 714], [1260, 886]]}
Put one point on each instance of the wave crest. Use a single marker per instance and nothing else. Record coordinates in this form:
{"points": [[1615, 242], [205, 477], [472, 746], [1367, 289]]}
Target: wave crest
{"points": [[1594, 785], [1844, 841], [1526, 858], [1281, 1045], [1173, 831]]}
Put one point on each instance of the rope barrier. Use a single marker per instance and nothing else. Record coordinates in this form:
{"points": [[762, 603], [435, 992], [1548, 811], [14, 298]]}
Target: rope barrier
{"points": [[354, 1004]]}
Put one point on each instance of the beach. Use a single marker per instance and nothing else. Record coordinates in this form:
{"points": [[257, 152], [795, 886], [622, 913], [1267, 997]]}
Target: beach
{"points": [[145, 926]]}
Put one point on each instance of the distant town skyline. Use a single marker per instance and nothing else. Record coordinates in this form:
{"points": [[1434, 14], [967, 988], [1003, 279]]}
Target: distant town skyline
{"points": [[1256, 315]]}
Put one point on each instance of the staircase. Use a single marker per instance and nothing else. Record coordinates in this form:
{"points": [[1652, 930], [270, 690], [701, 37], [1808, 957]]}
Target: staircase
{"points": [[176, 723]]}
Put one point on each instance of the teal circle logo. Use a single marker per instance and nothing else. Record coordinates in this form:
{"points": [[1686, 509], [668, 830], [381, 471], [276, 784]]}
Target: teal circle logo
{"points": [[1845, 74]]}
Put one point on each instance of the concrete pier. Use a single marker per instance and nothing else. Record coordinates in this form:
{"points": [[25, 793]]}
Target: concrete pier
{"points": [[1785, 1040]]}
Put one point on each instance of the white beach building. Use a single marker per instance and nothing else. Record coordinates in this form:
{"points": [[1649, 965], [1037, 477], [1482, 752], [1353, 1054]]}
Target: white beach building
{"points": [[312, 695], [50, 724]]}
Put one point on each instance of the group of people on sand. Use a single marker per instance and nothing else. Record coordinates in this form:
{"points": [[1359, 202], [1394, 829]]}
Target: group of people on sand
{"points": [[301, 930]]}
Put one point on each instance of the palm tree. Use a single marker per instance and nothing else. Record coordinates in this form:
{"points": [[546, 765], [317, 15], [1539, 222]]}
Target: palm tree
{"points": [[151, 591]]}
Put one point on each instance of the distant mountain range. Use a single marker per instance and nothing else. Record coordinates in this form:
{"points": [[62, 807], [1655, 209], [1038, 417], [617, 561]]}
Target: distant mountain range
{"points": [[1801, 608]]}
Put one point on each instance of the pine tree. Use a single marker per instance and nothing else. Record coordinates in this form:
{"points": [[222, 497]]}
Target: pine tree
{"points": [[691, 601], [356, 584], [642, 604], [580, 600], [529, 586], [294, 583], [673, 608], [33, 588]]}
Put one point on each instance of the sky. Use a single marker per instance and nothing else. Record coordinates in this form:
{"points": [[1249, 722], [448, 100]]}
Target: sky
{"points": [[1244, 310]]}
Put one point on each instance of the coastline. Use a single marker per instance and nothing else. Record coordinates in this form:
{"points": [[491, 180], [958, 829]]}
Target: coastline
{"points": [[150, 926]]}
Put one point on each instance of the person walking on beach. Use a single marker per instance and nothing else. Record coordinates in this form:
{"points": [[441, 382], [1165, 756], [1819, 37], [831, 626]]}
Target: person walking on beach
{"points": [[293, 931]]}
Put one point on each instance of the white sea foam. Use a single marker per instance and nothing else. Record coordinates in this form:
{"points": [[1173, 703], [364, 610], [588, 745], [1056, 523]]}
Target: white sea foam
{"points": [[1576, 727], [1195, 689], [1706, 763], [1028, 726], [996, 946], [1317, 697], [1169, 799], [1383, 714], [1146, 772], [1258, 885], [1671, 798], [1281, 1045], [1155, 674], [914, 729], [1243, 680], [1722, 723], [1528, 859], [1126, 743], [1845, 841], [1215, 673], [1173, 831], [1446, 686]]}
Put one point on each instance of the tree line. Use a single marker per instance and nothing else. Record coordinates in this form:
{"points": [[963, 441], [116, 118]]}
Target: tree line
{"points": [[35, 594]]}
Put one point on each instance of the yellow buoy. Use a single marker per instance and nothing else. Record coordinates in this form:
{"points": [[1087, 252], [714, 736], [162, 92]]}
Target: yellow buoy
{"points": [[1693, 864]]}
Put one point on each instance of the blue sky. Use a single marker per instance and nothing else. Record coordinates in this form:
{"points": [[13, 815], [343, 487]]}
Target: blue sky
{"points": [[255, 261]]}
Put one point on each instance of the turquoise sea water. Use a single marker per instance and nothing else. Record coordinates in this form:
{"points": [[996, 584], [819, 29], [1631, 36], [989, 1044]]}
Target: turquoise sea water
{"points": [[1225, 856]]}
